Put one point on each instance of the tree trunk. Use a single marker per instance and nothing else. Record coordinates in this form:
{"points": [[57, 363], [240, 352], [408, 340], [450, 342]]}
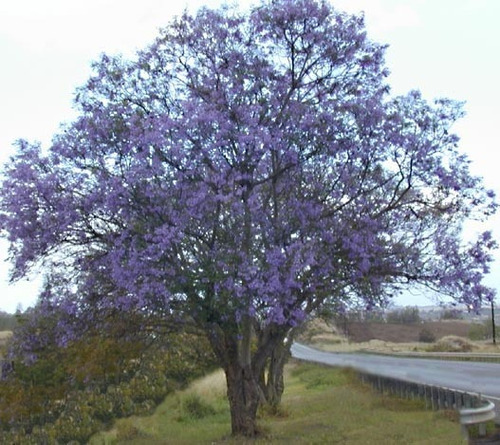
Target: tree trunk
{"points": [[244, 397], [275, 385]]}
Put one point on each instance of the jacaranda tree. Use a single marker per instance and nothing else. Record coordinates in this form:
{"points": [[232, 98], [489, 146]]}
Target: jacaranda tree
{"points": [[242, 171]]}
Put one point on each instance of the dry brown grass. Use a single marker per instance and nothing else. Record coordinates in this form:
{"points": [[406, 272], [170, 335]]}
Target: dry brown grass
{"points": [[405, 333], [5, 335], [211, 386], [326, 337], [4, 338], [452, 343]]}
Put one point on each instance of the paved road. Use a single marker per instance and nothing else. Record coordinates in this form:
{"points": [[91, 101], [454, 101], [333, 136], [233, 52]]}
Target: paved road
{"points": [[483, 378]]}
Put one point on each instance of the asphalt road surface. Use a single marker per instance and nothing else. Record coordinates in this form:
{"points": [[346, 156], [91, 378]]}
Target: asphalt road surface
{"points": [[478, 377]]}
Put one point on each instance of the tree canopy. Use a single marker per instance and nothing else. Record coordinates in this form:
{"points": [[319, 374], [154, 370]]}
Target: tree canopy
{"points": [[242, 171]]}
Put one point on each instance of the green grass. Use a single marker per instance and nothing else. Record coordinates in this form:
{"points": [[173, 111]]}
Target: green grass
{"points": [[321, 405]]}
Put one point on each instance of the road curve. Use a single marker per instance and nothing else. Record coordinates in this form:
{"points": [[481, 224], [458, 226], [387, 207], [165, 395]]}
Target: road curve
{"points": [[483, 378]]}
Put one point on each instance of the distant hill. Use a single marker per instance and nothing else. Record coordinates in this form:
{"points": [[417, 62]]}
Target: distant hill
{"points": [[404, 333]]}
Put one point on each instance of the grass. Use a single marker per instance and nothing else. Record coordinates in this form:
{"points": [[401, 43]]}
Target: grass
{"points": [[321, 405], [4, 338]]}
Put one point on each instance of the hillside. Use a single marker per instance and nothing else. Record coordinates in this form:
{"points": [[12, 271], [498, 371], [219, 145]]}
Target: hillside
{"points": [[404, 333]]}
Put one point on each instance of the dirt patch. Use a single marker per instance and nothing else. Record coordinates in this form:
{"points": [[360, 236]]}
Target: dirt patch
{"points": [[359, 332]]}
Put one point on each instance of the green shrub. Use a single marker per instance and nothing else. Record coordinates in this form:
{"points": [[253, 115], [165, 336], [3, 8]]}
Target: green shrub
{"points": [[59, 394], [194, 407], [452, 314], [126, 431], [480, 331], [426, 336], [75, 424], [123, 405], [100, 405]]}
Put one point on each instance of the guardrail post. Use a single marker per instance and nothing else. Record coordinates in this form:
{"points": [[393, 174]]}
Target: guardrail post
{"points": [[450, 399], [435, 398], [425, 395]]}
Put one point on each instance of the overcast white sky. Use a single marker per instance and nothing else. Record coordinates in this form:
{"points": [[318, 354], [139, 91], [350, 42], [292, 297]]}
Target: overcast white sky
{"points": [[442, 47]]}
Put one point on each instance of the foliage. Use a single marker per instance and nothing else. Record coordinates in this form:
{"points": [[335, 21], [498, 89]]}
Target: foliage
{"points": [[406, 315], [452, 314], [194, 407], [242, 171], [426, 336], [7, 321], [126, 432], [376, 316], [69, 392], [481, 331]]}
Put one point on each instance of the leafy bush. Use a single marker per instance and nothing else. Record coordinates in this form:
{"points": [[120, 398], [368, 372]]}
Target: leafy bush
{"points": [[69, 393], [426, 336], [126, 431], [451, 314], [76, 423], [481, 331], [194, 407]]}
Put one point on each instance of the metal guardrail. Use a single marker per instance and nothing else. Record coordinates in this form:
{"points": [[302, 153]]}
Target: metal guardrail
{"points": [[475, 416], [473, 409]]}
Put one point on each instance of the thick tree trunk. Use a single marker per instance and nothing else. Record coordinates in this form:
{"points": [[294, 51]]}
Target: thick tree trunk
{"points": [[274, 385], [271, 358], [244, 396], [244, 369], [243, 391]]}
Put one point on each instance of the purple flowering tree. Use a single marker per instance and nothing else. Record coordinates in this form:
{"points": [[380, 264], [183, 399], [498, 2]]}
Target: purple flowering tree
{"points": [[243, 171]]}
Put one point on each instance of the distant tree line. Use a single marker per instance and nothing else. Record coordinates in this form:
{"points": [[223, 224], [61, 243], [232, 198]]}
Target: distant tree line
{"points": [[406, 315], [7, 321]]}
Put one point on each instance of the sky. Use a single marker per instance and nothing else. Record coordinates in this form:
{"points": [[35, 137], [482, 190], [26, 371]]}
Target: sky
{"points": [[445, 48]]}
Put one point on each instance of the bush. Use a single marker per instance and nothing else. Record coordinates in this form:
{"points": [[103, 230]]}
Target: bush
{"points": [[194, 407], [74, 391], [426, 336], [126, 431], [481, 331], [451, 343], [451, 314], [477, 332], [75, 424]]}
